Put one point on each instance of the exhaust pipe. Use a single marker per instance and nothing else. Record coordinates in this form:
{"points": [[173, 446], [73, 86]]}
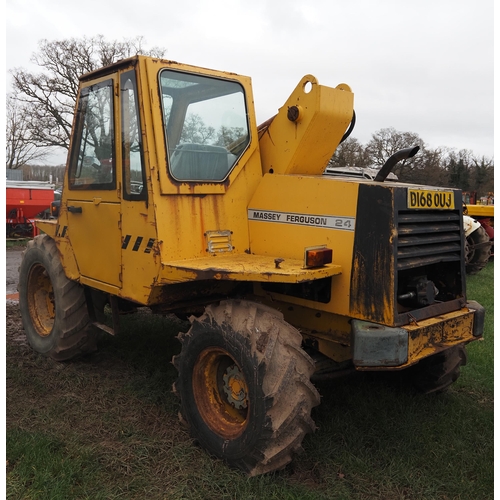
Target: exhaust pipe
{"points": [[403, 154]]}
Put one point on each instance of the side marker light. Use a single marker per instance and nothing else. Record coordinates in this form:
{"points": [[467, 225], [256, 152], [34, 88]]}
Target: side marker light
{"points": [[318, 256]]}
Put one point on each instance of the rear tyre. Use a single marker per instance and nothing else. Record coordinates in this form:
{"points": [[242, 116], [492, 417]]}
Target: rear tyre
{"points": [[437, 372], [244, 385], [477, 251], [53, 308]]}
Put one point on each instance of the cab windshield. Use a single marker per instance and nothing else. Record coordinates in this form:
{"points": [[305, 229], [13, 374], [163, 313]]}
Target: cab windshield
{"points": [[206, 126]]}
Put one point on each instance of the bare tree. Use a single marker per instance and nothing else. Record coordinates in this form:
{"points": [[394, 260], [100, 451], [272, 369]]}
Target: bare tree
{"points": [[51, 94], [19, 145], [429, 169], [350, 153], [483, 175]]}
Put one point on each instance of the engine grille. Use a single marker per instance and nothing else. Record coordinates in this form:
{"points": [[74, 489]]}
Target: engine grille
{"points": [[427, 237]]}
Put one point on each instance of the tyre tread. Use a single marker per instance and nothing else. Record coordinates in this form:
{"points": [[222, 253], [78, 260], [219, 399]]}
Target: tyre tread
{"points": [[288, 393], [481, 255], [74, 333]]}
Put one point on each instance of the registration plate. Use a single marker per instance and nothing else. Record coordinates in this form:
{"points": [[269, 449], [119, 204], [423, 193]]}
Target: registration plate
{"points": [[424, 198]]}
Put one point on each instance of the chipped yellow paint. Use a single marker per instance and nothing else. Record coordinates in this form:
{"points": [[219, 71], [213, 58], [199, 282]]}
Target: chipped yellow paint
{"points": [[244, 267], [433, 335], [383, 309]]}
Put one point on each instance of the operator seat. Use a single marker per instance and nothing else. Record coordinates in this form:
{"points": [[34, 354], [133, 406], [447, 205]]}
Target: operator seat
{"points": [[200, 162]]}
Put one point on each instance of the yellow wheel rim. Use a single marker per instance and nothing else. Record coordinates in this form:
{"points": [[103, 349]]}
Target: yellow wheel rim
{"points": [[221, 392], [41, 300]]}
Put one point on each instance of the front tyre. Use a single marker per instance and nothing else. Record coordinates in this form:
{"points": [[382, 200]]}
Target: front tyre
{"points": [[244, 385], [53, 308]]}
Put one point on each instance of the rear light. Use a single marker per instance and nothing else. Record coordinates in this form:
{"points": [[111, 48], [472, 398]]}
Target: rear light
{"points": [[318, 256]]}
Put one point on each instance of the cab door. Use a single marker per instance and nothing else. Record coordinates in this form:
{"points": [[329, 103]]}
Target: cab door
{"points": [[92, 199]]}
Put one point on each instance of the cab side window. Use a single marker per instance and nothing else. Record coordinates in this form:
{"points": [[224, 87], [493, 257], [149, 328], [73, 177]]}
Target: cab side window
{"points": [[92, 161], [206, 125], [134, 185]]}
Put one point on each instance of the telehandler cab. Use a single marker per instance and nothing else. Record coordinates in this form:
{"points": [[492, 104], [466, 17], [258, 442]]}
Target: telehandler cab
{"points": [[176, 200]]}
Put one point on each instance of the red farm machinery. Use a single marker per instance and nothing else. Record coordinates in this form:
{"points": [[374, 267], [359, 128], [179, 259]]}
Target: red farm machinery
{"points": [[27, 201]]}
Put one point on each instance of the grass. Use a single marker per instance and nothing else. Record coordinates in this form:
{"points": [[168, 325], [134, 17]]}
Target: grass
{"points": [[479, 373], [17, 242], [106, 427]]}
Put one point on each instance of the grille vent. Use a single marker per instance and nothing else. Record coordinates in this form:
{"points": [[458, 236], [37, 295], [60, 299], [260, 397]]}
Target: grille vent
{"points": [[219, 241], [427, 237]]}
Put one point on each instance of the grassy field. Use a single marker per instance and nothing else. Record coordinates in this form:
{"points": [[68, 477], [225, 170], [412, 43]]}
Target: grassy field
{"points": [[106, 427]]}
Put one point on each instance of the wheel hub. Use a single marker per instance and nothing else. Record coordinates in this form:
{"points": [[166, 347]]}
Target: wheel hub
{"points": [[235, 387]]}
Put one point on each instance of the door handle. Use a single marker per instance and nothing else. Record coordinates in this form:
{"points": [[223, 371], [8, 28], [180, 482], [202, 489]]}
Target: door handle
{"points": [[75, 210]]}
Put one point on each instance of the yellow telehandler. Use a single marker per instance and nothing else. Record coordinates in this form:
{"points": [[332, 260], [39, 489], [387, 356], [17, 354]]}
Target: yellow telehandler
{"points": [[174, 199]]}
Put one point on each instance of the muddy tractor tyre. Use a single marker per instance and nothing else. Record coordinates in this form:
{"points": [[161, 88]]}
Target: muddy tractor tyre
{"points": [[244, 385], [53, 308], [477, 251], [437, 372]]}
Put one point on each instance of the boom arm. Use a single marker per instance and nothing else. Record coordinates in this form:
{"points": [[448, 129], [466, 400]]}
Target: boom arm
{"points": [[304, 134]]}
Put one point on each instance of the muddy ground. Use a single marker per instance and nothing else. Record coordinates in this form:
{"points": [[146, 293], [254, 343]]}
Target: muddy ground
{"points": [[14, 328], [13, 260]]}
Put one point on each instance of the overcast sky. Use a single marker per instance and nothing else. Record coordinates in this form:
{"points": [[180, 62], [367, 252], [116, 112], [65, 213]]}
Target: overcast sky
{"points": [[424, 66]]}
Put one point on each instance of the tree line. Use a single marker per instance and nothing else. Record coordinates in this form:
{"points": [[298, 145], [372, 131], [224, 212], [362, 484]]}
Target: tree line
{"points": [[443, 166], [40, 114]]}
